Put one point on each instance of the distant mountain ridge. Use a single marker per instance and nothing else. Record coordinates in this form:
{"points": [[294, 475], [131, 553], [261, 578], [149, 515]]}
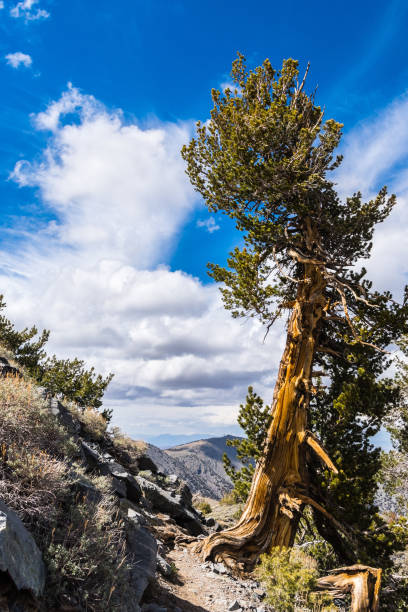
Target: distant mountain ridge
{"points": [[199, 463]]}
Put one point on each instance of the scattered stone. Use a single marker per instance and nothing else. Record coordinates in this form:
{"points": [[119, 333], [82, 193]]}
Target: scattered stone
{"points": [[152, 607], [164, 568], [234, 606], [68, 420], [137, 518], [19, 554], [116, 469], [87, 492], [119, 486], [145, 463], [93, 458], [219, 568], [54, 406]]}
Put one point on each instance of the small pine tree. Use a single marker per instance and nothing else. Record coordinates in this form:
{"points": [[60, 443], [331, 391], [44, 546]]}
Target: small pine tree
{"points": [[254, 418], [66, 377]]}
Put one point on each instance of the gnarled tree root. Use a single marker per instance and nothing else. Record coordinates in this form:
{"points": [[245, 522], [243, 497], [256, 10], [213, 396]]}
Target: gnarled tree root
{"points": [[361, 581]]}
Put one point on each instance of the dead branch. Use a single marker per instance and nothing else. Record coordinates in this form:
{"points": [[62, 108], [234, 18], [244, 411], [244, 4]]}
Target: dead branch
{"points": [[318, 448], [362, 581]]}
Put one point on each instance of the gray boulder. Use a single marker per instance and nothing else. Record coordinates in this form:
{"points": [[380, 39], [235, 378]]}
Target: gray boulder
{"points": [[142, 547], [171, 504], [133, 490], [19, 554], [93, 457]]}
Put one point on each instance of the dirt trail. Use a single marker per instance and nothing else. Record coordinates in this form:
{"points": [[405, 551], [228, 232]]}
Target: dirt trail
{"points": [[207, 587]]}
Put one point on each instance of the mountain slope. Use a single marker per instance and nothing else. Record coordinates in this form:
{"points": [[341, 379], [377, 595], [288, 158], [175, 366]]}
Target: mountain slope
{"points": [[202, 460], [198, 463]]}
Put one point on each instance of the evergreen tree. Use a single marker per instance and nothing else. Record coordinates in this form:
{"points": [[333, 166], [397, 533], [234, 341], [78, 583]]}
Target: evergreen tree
{"points": [[264, 159], [66, 377], [255, 419]]}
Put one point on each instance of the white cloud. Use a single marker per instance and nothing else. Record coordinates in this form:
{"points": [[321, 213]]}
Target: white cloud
{"points": [[374, 153], [1, 4], [95, 275], [373, 148], [27, 10], [17, 59], [209, 224]]}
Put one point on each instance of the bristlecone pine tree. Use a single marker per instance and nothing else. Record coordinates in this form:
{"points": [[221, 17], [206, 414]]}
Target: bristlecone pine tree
{"points": [[263, 159]]}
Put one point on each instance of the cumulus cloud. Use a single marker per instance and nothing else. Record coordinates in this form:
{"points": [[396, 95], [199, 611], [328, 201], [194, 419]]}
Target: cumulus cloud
{"points": [[1, 4], [19, 59], [375, 153], [28, 10], [94, 275], [209, 224]]}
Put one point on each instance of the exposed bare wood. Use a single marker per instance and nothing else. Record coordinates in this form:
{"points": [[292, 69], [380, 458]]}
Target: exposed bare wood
{"points": [[272, 512], [301, 258], [362, 581], [318, 448]]}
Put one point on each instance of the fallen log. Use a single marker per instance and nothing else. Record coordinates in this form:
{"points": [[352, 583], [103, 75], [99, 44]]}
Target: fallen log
{"points": [[361, 581]]}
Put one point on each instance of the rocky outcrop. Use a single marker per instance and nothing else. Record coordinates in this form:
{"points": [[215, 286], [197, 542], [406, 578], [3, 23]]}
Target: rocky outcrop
{"points": [[154, 507], [172, 504], [142, 548], [19, 554]]}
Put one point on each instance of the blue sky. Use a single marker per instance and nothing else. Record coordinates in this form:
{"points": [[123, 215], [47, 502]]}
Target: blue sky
{"points": [[103, 240]]}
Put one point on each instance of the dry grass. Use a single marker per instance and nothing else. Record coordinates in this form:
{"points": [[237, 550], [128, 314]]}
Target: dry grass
{"points": [[226, 514], [83, 543], [93, 423], [124, 444]]}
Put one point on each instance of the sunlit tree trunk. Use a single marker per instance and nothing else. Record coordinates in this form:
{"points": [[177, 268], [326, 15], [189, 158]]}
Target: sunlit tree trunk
{"points": [[280, 484], [361, 581]]}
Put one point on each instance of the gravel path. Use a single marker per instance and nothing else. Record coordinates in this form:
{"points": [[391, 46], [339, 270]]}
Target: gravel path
{"points": [[208, 587]]}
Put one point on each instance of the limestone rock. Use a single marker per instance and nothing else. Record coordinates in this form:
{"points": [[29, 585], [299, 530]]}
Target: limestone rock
{"points": [[19, 554], [142, 547], [170, 504]]}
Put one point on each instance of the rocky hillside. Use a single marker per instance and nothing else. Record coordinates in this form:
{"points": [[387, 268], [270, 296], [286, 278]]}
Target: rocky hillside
{"points": [[202, 459], [89, 521], [198, 463], [86, 518]]}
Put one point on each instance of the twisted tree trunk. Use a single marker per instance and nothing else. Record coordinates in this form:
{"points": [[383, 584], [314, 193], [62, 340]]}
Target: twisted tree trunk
{"points": [[361, 581], [280, 484]]}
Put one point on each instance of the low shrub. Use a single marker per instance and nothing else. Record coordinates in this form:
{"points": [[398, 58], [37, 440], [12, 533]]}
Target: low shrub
{"points": [[203, 506], [82, 542], [122, 442], [229, 499], [93, 422], [86, 556], [289, 576]]}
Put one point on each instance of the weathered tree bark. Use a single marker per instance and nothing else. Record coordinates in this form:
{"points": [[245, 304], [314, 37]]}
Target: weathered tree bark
{"points": [[280, 484], [361, 581]]}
